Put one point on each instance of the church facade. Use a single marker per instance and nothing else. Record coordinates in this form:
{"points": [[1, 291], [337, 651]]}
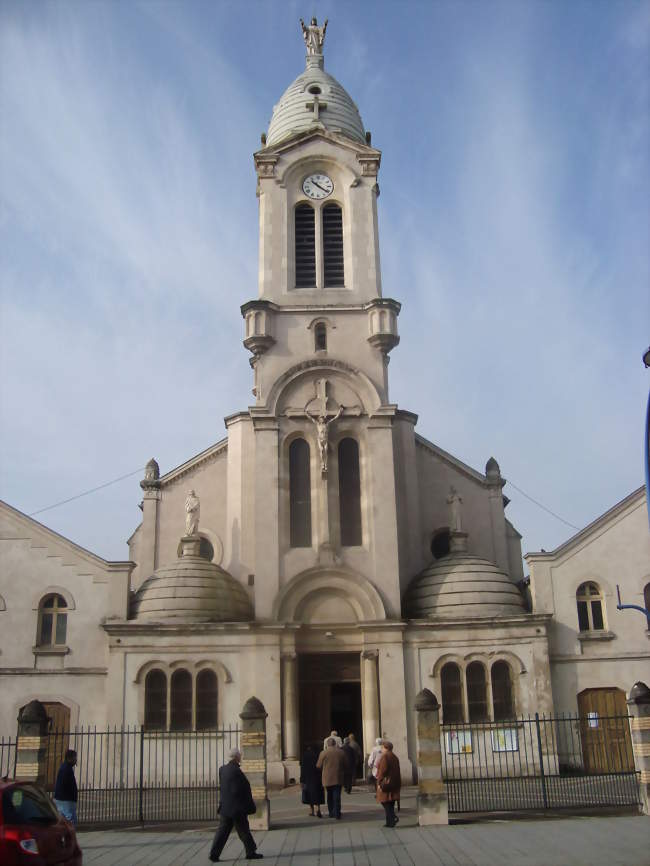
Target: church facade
{"points": [[324, 556]]}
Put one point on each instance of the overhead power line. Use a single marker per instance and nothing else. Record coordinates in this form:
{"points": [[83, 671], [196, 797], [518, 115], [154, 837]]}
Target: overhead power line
{"points": [[135, 472], [543, 507], [85, 493]]}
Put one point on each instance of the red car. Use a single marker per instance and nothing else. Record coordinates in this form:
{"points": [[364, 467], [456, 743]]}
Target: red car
{"points": [[31, 829]]}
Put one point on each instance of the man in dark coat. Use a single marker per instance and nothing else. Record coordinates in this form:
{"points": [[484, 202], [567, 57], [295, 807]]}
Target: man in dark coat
{"points": [[236, 803], [351, 757], [65, 789]]}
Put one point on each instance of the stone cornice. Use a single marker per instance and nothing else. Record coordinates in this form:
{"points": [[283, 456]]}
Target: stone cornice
{"points": [[34, 528], [600, 524], [32, 672], [121, 628], [451, 460], [200, 459], [475, 623]]}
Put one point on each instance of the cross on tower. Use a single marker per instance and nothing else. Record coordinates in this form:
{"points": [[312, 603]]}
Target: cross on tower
{"points": [[316, 106]]}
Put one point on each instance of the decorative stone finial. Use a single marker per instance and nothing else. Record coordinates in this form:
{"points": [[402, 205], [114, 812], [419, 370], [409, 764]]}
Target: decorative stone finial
{"points": [[253, 709], [151, 480], [639, 693], [33, 713], [426, 700], [192, 514]]}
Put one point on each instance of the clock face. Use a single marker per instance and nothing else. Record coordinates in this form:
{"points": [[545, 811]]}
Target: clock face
{"points": [[317, 186]]}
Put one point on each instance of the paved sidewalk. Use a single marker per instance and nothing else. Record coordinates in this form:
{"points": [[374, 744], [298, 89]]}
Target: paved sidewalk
{"points": [[361, 840]]}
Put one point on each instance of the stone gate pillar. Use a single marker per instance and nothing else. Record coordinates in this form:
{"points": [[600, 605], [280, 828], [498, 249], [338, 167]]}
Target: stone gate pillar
{"points": [[252, 744], [639, 704], [31, 757], [432, 796]]}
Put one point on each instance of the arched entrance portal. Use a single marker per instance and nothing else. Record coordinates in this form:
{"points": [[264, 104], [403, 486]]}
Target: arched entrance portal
{"points": [[330, 680], [329, 685]]}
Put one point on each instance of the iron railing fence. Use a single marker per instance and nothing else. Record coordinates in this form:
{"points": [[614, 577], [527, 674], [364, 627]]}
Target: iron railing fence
{"points": [[539, 762], [133, 776], [7, 757]]}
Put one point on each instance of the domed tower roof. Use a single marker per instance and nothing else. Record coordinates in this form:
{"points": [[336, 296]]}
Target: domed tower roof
{"points": [[462, 585], [191, 589], [315, 100]]}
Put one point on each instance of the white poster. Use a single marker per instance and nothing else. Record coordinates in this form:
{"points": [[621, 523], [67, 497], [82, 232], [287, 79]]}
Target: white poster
{"points": [[459, 742], [505, 740]]}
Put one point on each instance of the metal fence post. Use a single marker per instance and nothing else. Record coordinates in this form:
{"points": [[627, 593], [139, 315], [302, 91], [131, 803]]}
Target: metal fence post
{"points": [[140, 792], [541, 761]]}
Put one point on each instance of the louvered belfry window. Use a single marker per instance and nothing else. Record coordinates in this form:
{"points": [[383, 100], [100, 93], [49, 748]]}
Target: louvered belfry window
{"points": [[333, 246], [305, 247]]}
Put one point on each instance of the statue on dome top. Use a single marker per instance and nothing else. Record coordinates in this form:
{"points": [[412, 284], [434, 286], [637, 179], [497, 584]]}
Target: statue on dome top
{"points": [[192, 513], [314, 36], [455, 503]]}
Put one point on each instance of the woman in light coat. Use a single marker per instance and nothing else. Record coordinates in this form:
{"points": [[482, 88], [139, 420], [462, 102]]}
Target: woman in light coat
{"points": [[373, 760], [389, 782]]}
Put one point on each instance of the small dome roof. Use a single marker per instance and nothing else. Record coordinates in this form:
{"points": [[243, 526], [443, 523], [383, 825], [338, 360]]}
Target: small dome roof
{"points": [[337, 112], [462, 585], [191, 589]]}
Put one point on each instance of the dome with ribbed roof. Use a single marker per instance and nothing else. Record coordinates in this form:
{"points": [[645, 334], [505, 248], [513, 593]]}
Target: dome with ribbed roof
{"points": [[296, 112], [191, 589], [462, 585]]}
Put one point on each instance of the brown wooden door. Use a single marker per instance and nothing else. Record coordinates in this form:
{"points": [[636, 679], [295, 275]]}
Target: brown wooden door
{"points": [[605, 731], [315, 713], [59, 739]]}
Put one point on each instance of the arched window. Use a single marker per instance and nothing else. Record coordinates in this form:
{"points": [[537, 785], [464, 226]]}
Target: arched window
{"points": [[590, 607], [476, 692], [181, 701], [299, 494], [155, 701], [349, 493], [207, 691], [320, 337], [646, 600], [305, 239], [502, 691], [440, 544], [52, 621], [452, 694], [332, 246]]}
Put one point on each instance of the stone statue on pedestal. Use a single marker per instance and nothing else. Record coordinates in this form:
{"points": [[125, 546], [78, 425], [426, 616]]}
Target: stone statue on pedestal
{"points": [[455, 503], [192, 513], [314, 36]]}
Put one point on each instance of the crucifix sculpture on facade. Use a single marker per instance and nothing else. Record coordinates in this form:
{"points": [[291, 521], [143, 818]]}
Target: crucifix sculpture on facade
{"points": [[322, 421]]}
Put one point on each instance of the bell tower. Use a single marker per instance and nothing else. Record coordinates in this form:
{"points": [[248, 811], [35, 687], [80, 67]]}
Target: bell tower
{"points": [[319, 280]]}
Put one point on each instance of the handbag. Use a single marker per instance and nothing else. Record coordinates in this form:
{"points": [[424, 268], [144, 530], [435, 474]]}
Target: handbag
{"points": [[386, 784]]}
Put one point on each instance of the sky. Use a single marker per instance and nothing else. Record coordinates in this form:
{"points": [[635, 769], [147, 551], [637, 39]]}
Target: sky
{"points": [[513, 217]]}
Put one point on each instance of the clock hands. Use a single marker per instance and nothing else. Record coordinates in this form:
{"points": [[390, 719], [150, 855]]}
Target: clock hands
{"points": [[318, 185]]}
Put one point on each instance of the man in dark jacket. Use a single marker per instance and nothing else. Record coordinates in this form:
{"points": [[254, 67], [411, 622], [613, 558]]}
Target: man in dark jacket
{"points": [[65, 789], [236, 803]]}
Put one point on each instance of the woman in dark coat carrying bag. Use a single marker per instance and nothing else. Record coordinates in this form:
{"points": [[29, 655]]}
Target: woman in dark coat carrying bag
{"points": [[313, 793], [389, 782]]}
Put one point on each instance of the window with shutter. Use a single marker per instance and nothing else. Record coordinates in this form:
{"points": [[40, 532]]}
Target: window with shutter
{"points": [[333, 274], [305, 240]]}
